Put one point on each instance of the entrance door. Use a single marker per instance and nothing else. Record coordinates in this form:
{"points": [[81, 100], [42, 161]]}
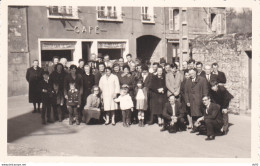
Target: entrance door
{"points": [[86, 50], [145, 47]]}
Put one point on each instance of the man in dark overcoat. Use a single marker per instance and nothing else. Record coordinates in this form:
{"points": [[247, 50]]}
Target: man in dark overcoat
{"points": [[196, 88]]}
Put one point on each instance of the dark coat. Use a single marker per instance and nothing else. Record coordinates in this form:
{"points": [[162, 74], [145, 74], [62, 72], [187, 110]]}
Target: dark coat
{"points": [[58, 78], [97, 77], [80, 71], [194, 92], [34, 77], [202, 74], [57, 98], [213, 113], [168, 112], [157, 100], [147, 80], [46, 96], [221, 77], [221, 97], [88, 83], [78, 83], [128, 80]]}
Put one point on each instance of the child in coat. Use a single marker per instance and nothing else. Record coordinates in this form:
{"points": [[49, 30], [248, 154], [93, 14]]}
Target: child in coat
{"points": [[141, 101], [46, 100], [73, 103], [126, 105], [57, 100]]}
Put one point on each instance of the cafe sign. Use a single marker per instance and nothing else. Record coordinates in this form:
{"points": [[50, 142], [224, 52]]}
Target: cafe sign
{"points": [[58, 45], [111, 45]]}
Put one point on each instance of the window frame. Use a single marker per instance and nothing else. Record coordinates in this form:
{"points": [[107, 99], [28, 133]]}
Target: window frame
{"points": [[116, 10], [74, 12], [149, 13]]}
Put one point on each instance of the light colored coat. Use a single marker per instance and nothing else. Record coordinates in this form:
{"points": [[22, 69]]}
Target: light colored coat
{"points": [[173, 84], [109, 86]]}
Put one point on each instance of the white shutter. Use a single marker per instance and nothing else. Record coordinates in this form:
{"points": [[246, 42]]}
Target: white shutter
{"points": [[219, 23], [105, 11], [170, 19]]}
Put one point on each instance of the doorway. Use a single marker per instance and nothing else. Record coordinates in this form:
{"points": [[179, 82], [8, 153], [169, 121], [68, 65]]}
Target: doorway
{"points": [[86, 50], [145, 46]]}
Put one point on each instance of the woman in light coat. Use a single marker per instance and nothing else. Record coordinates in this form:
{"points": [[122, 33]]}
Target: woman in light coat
{"points": [[109, 85]]}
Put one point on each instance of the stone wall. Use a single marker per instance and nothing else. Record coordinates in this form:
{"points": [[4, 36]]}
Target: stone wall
{"points": [[233, 54], [18, 55]]}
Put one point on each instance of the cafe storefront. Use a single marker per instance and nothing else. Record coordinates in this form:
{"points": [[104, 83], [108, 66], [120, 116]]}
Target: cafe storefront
{"points": [[75, 49]]}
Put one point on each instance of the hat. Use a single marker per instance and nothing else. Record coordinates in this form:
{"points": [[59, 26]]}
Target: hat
{"points": [[162, 60]]}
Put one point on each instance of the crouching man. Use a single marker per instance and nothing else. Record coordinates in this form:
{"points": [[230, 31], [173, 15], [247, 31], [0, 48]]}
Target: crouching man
{"points": [[173, 116], [212, 118]]}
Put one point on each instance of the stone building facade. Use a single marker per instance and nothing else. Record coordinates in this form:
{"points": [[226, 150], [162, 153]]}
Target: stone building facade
{"points": [[233, 53], [74, 32]]}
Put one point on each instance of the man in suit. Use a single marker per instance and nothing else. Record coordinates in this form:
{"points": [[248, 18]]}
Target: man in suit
{"points": [[80, 69], [212, 117], [129, 59], [221, 96], [199, 67], [173, 82], [55, 61], [107, 61], [191, 64], [209, 77], [221, 77], [196, 87], [173, 116]]}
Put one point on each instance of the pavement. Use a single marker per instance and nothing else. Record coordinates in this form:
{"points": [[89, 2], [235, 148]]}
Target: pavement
{"points": [[28, 137]]}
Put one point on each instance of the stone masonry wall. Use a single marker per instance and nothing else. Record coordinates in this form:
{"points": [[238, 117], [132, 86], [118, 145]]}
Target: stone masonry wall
{"points": [[230, 52]]}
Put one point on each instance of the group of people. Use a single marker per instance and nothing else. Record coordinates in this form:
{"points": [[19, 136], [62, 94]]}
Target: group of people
{"points": [[133, 92]]}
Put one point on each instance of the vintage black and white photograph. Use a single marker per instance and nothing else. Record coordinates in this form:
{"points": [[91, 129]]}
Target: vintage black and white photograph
{"points": [[129, 81]]}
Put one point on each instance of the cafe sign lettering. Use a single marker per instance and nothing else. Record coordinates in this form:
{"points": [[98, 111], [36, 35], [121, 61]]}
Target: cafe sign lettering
{"points": [[111, 45], [88, 29], [58, 45]]}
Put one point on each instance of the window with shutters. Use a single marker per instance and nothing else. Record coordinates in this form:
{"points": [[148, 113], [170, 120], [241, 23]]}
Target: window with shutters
{"points": [[109, 13], [147, 14], [63, 12], [174, 19], [213, 22]]}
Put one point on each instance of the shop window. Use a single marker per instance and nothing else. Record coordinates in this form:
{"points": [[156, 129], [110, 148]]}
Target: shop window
{"points": [[63, 12], [109, 13], [147, 14], [174, 19]]}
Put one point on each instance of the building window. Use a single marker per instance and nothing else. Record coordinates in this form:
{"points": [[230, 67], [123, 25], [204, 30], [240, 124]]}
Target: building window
{"points": [[62, 12], [109, 13], [147, 15], [174, 20], [216, 23]]}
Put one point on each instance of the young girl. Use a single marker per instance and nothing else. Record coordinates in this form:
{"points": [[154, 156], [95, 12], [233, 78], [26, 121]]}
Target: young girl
{"points": [[126, 105], [73, 103], [141, 101]]}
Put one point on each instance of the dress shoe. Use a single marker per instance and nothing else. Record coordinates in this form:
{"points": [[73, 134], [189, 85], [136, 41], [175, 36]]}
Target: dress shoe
{"points": [[113, 124], [193, 131], [77, 122], [209, 138], [39, 110], [163, 129], [34, 111], [140, 123], [49, 121]]}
